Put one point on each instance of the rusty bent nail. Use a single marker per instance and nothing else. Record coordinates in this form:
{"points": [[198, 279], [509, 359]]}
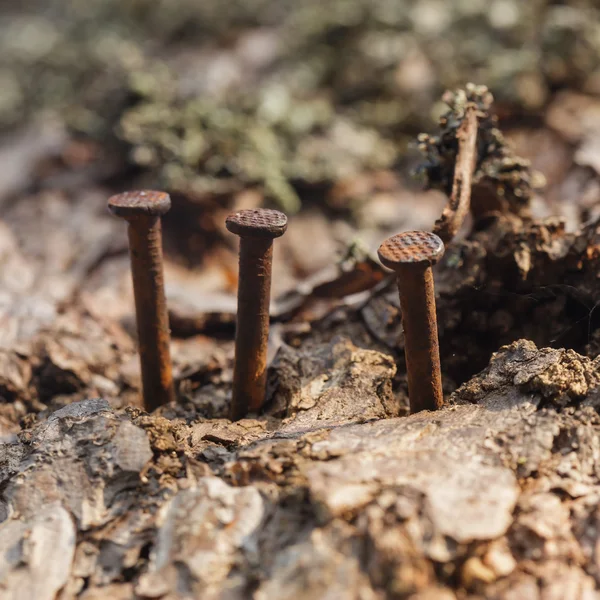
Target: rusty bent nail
{"points": [[411, 255], [142, 210], [257, 228]]}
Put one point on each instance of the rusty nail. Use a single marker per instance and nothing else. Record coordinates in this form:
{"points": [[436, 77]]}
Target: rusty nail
{"points": [[142, 211], [411, 255], [257, 228]]}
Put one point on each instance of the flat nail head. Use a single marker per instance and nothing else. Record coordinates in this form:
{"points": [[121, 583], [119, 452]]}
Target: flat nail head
{"points": [[258, 223], [143, 203], [411, 247]]}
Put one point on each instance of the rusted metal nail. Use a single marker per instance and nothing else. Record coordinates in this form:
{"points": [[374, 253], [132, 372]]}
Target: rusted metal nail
{"points": [[142, 210], [257, 228], [411, 255]]}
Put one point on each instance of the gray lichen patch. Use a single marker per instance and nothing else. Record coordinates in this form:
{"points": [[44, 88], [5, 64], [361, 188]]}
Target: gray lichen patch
{"points": [[201, 535], [82, 457], [36, 554]]}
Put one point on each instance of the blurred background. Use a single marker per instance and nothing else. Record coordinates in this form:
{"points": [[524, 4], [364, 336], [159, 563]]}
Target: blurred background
{"points": [[311, 107]]}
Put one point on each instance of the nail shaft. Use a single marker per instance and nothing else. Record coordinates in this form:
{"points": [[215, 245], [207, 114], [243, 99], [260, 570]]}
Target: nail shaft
{"points": [[252, 332], [421, 346], [257, 229], [145, 246]]}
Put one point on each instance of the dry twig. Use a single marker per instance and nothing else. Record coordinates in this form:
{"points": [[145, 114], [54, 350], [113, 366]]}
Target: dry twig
{"points": [[470, 161], [457, 209]]}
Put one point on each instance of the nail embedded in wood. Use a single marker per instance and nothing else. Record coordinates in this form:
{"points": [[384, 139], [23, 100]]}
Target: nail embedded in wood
{"points": [[257, 229], [411, 255], [143, 210]]}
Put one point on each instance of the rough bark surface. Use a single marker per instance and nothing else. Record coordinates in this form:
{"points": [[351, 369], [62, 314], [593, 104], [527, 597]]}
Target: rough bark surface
{"points": [[495, 496]]}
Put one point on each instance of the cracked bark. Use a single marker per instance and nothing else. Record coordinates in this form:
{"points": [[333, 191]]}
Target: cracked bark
{"points": [[493, 496]]}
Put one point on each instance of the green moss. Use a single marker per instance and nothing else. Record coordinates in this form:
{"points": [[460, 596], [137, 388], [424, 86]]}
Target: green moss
{"points": [[346, 84]]}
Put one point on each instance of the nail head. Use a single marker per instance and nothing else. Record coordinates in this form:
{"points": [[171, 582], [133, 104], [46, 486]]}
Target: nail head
{"points": [[258, 222], [142, 203], [411, 247]]}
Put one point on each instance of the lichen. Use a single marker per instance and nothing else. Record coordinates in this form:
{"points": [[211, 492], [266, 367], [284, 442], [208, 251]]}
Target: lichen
{"points": [[497, 167], [333, 88]]}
